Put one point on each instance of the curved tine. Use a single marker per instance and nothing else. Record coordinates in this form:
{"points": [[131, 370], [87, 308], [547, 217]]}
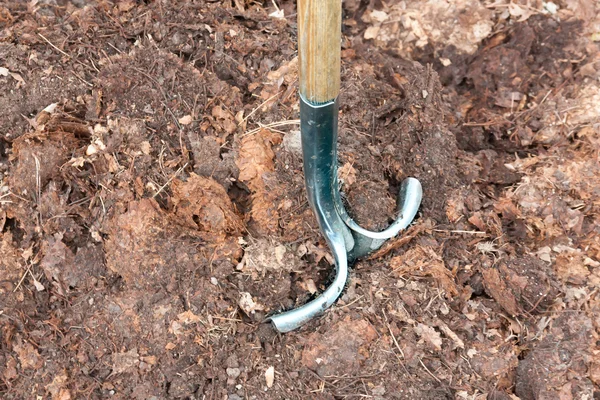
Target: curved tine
{"points": [[293, 319], [409, 201]]}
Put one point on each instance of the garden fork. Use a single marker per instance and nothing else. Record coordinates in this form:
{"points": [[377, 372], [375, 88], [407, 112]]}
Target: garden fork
{"points": [[319, 51]]}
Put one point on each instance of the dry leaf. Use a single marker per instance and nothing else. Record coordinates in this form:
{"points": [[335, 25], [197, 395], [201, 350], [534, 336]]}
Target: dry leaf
{"points": [[28, 356], [430, 335], [125, 362], [91, 149], [378, 16], [202, 203], [57, 388], [247, 304], [458, 343], [522, 13], [497, 288], [311, 287], [347, 174], [188, 318], [3, 71], [279, 14], [145, 147], [17, 77], [170, 346], [372, 32], [186, 120], [424, 261], [270, 376], [38, 286]]}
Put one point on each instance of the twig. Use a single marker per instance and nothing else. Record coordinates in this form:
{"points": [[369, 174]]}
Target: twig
{"points": [[429, 372], [38, 184], [82, 80], [487, 123], [272, 125], [352, 302], [169, 181], [22, 278], [460, 231], [227, 319], [50, 43], [257, 108], [5, 201], [394, 338]]}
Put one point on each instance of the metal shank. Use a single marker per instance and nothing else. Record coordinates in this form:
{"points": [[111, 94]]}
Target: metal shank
{"points": [[319, 149], [347, 240]]}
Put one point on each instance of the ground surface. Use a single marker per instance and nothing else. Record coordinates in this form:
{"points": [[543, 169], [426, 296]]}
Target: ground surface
{"points": [[152, 209]]}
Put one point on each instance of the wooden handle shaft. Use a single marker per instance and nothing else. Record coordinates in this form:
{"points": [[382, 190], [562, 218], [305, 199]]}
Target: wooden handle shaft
{"points": [[319, 48]]}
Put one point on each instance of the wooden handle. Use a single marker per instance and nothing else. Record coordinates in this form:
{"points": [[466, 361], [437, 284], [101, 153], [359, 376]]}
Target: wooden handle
{"points": [[319, 48]]}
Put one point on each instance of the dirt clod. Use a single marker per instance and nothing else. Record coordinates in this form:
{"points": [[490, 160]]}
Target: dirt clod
{"points": [[341, 349]]}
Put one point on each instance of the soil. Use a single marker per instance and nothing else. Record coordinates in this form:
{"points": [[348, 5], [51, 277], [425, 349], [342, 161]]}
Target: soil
{"points": [[153, 213]]}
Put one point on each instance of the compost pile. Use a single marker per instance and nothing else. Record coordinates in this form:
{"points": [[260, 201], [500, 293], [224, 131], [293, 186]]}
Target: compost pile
{"points": [[153, 213]]}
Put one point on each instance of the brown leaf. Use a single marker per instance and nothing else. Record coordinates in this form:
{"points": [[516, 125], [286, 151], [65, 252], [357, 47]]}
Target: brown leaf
{"points": [[496, 287], [186, 120], [28, 356], [10, 372], [125, 362], [57, 388], [347, 174], [57, 262], [455, 209], [188, 318], [11, 266], [507, 208], [424, 261], [476, 220], [570, 268], [430, 335]]}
